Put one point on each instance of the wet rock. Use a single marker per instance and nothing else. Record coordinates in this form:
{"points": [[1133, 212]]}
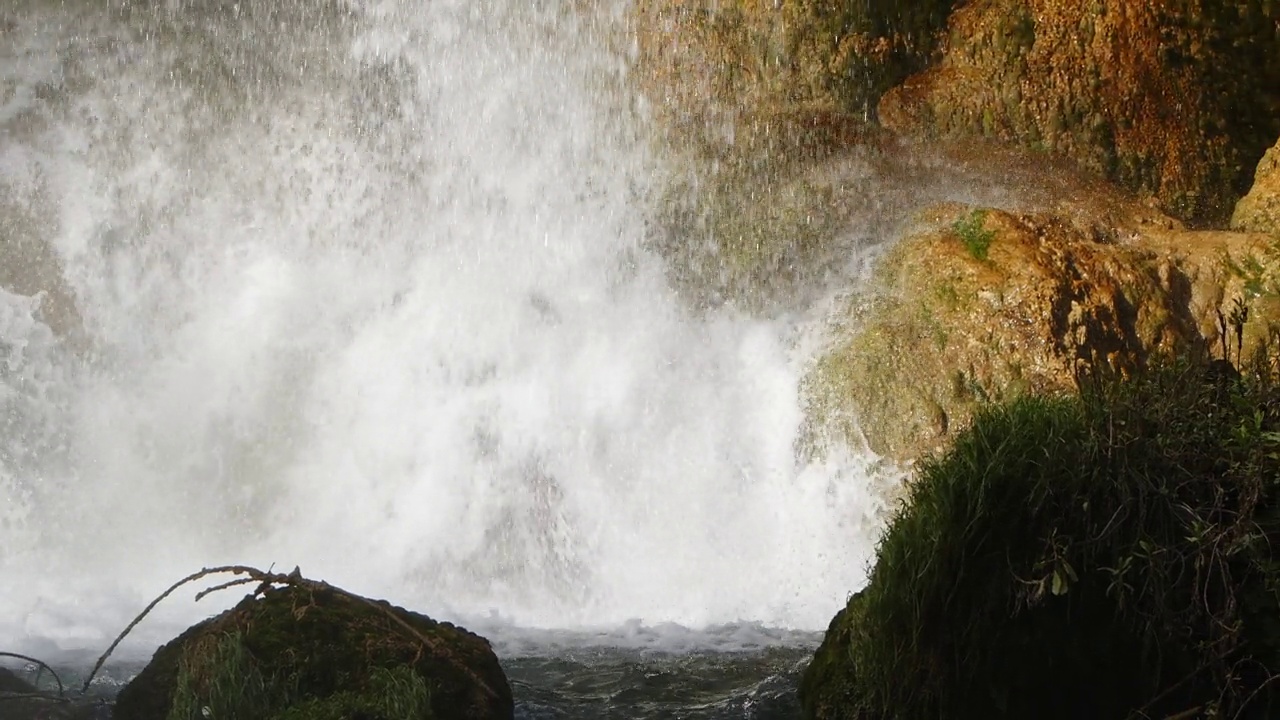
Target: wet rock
{"points": [[735, 73], [316, 652], [982, 305], [1170, 98], [1259, 211]]}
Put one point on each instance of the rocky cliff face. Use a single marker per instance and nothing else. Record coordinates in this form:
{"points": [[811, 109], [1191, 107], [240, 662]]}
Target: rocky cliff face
{"points": [[742, 72], [1259, 211], [981, 305], [1175, 98], [1165, 107]]}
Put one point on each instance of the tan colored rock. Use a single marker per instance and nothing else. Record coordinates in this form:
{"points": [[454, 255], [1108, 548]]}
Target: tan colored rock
{"points": [[1175, 98], [983, 304], [1259, 211], [733, 73]]}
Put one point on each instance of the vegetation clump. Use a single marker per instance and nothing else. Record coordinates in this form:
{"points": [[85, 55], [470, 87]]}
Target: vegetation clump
{"points": [[972, 232], [1103, 555], [308, 650]]}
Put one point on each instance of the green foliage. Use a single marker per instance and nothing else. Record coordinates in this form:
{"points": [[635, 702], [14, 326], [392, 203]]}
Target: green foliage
{"points": [[222, 681], [970, 230], [1254, 271], [1104, 556]]}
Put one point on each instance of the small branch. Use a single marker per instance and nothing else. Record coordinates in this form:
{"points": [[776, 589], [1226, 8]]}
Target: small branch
{"points": [[230, 583], [1253, 695], [42, 665], [238, 569], [1185, 714], [33, 696]]}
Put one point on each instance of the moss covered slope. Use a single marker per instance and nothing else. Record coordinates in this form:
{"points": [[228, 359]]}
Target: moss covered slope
{"points": [[317, 652], [1073, 557]]}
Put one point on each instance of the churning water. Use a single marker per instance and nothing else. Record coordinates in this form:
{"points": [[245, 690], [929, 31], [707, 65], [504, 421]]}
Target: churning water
{"points": [[364, 288]]}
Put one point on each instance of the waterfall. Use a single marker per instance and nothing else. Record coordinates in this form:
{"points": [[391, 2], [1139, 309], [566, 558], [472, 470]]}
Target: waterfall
{"points": [[365, 288]]}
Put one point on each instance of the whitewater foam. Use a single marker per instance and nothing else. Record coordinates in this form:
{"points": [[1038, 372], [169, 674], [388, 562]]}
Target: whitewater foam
{"points": [[364, 288]]}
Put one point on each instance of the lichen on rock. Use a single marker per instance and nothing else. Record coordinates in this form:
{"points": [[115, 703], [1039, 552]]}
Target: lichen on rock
{"points": [[316, 652]]}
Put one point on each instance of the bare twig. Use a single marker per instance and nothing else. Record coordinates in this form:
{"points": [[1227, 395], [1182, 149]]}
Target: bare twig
{"points": [[230, 583], [40, 663], [190, 578], [1253, 695]]}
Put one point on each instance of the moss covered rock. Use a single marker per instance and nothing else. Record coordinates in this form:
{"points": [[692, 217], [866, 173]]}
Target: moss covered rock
{"points": [[1176, 98], [1259, 211], [319, 653], [1107, 555], [982, 305]]}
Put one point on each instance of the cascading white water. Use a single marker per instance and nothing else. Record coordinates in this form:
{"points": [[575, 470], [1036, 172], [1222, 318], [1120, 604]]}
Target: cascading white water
{"points": [[363, 288]]}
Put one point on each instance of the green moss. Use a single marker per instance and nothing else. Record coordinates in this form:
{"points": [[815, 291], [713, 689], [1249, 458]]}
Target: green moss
{"points": [[323, 650], [1081, 556], [220, 680], [970, 229], [223, 681]]}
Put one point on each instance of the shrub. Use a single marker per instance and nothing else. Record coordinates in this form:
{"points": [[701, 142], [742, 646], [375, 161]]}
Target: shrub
{"points": [[971, 232], [1102, 556]]}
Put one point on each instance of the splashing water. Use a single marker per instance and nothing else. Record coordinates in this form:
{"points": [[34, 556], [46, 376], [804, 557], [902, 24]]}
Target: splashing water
{"points": [[363, 288]]}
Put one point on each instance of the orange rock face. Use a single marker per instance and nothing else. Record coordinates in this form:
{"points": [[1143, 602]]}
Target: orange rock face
{"points": [[1176, 98], [1259, 211]]}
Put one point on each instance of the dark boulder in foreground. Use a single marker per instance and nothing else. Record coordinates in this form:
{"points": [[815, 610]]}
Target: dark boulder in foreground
{"points": [[21, 700], [313, 652], [1107, 555]]}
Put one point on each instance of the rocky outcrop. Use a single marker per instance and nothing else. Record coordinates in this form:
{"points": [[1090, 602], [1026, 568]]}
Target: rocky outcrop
{"points": [[1176, 98], [312, 651], [982, 305], [1259, 211], [751, 73]]}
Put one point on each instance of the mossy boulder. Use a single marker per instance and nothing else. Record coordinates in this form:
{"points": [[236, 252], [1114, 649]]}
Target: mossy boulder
{"points": [[982, 305], [312, 651], [1259, 211], [1174, 98], [1104, 555]]}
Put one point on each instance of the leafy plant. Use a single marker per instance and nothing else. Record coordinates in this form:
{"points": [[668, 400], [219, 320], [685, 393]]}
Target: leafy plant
{"points": [[1119, 540], [972, 232]]}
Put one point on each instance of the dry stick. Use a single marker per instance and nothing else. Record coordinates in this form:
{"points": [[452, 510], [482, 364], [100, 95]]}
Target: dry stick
{"points": [[193, 576], [1253, 695], [42, 664], [37, 695], [313, 585]]}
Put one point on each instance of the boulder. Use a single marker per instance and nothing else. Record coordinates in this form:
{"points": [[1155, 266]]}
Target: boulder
{"points": [[315, 652], [1173, 98], [1259, 211], [981, 305]]}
